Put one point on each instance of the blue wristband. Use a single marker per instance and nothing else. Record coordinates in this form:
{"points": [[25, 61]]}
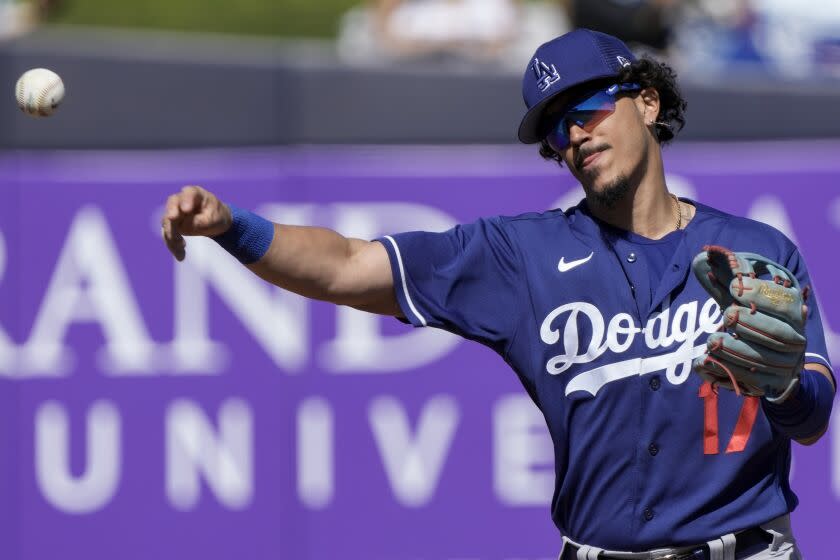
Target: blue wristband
{"points": [[806, 412], [248, 238]]}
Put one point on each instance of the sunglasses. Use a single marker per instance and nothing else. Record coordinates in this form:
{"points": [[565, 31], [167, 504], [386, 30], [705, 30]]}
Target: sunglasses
{"points": [[586, 113]]}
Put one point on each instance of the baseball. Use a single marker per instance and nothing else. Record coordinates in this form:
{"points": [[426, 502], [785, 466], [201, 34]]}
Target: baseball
{"points": [[39, 92]]}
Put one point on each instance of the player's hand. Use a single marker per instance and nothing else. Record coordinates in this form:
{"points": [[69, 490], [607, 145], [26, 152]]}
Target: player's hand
{"points": [[193, 211], [761, 348]]}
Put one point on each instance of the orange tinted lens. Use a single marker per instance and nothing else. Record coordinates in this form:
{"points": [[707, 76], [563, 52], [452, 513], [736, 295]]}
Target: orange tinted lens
{"points": [[588, 120], [586, 114]]}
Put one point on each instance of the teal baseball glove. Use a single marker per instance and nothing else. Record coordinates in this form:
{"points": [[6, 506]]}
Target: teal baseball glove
{"points": [[760, 348]]}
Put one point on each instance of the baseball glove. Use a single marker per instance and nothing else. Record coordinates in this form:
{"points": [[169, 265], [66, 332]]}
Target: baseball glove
{"points": [[760, 348]]}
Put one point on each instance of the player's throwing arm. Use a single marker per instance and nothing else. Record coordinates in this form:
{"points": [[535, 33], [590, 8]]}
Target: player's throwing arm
{"points": [[314, 262]]}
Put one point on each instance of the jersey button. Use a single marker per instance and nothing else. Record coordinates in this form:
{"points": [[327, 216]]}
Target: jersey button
{"points": [[631, 258], [655, 383], [648, 513], [652, 449]]}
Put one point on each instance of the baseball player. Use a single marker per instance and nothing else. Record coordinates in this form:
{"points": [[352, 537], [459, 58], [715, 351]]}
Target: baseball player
{"points": [[674, 349]]}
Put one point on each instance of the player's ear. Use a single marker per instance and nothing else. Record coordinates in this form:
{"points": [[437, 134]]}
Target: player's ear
{"points": [[649, 100]]}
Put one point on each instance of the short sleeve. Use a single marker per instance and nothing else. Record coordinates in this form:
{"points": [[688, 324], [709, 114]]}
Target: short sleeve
{"points": [[816, 350], [467, 280]]}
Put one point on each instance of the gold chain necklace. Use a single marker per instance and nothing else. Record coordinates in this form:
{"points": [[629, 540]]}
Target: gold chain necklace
{"points": [[679, 211]]}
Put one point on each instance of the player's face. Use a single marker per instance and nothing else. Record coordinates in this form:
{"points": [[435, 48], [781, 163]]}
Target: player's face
{"points": [[605, 145]]}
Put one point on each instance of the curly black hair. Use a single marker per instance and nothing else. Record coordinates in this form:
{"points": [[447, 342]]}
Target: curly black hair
{"points": [[648, 73]]}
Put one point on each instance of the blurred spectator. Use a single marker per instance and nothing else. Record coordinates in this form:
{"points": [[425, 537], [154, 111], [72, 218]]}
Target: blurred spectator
{"points": [[476, 30], [16, 18], [781, 37], [798, 39], [636, 22], [711, 35]]}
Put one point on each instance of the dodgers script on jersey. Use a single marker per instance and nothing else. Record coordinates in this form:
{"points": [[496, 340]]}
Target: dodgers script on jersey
{"points": [[646, 454]]}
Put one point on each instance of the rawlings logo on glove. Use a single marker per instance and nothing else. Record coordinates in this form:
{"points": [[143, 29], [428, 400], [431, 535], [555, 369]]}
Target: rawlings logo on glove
{"points": [[760, 348]]}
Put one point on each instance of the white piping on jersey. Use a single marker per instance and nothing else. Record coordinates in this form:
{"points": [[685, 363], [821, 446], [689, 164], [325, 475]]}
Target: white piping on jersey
{"points": [[819, 358], [404, 285]]}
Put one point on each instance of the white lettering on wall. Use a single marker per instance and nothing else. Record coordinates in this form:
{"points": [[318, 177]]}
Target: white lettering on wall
{"points": [[523, 457], [277, 319], [7, 347], [771, 210], [315, 463], [413, 463], [194, 450], [359, 346], [89, 285], [96, 486]]}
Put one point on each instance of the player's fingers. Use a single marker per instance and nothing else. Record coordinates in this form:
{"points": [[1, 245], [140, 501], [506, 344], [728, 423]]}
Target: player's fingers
{"points": [[763, 329], [166, 228], [199, 221], [191, 199], [172, 210], [179, 248], [175, 242]]}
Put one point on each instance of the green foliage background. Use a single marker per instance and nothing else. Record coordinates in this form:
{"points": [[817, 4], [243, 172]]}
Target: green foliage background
{"points": [[285, 18]]}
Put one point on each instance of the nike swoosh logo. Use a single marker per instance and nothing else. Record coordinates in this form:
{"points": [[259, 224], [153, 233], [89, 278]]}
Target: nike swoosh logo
{"points": [[564, 266]]}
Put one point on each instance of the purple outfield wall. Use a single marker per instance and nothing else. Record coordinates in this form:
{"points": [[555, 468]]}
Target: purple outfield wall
{"points": [[154, 409]]}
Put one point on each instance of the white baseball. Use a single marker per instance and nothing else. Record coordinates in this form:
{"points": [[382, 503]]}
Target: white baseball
{"points": [[39, 92]]}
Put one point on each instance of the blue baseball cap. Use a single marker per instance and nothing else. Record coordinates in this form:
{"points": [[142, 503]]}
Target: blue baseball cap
{"points": [[572, 59]]}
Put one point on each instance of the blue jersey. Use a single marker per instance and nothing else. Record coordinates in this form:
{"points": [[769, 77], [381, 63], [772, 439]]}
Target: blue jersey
{"points": [[646, 454]]}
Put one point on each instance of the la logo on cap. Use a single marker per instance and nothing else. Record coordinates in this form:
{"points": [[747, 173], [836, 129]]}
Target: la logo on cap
{"points": [[546, 75]]}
